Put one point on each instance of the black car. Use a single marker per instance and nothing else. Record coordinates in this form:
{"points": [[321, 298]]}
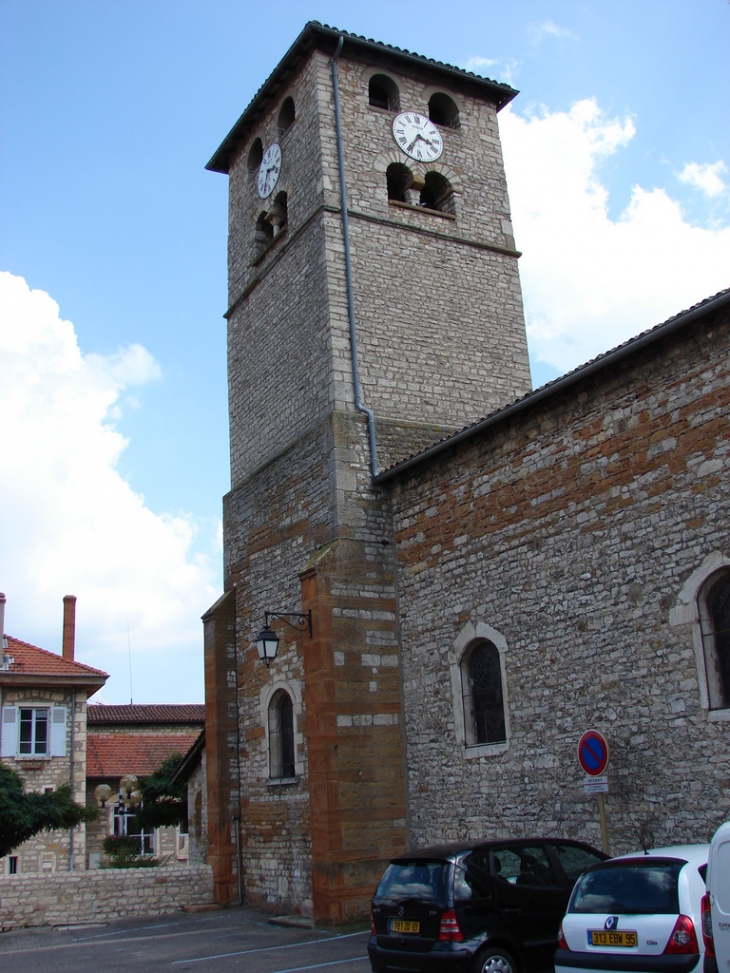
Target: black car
{"points": [[483, 907]]}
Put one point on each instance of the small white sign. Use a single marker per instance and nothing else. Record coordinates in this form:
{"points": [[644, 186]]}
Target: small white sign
{"points": [[595, 785]]}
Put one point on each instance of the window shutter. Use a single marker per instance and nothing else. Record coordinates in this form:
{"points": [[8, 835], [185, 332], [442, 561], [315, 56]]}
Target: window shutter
{"points": [[8, 732], [58, 731]]}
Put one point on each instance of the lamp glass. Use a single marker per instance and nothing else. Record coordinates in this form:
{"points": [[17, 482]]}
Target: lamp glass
{"points": [[267, 644]]}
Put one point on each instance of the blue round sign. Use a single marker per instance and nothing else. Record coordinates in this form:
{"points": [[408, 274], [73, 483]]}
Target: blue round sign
{"points": [[593, 753]]}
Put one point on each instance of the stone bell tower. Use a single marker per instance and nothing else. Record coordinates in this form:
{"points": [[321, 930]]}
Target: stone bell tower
{"points": [[356, 337]]}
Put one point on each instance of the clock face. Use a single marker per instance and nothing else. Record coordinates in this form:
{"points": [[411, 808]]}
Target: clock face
{"points": [[418, 136], [269, 171]]}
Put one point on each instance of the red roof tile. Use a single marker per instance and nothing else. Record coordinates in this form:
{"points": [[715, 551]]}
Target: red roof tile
{"points": [[29, 660], [115, 754], [152, 713]]}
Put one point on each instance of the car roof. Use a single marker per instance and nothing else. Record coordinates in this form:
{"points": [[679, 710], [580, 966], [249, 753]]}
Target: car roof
{"points": [[454, 849], [689, 853]]}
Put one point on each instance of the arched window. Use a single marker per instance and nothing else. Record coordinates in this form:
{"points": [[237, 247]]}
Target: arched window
{"points": [[383, 92], [281, 735], [443, 111], [714, 605], [481, 681], [278, 213], [400, 179], [286, 115], [255, 155], [264, 231], [438, 193]]}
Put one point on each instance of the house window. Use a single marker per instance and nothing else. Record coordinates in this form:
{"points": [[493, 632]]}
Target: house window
{"points": [[383, 93], [443, 111], [33, 735], [13, 865], [281, 735], [481, 679], [126, 824], [714, 606]]}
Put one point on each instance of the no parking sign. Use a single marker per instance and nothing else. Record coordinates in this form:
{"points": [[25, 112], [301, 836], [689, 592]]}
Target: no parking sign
{"points": [[593, 753]]}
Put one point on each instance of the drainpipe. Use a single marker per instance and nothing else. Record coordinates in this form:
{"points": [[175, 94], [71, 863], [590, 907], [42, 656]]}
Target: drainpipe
{"points": [[237, 817], [348, 268], [71, 776]]}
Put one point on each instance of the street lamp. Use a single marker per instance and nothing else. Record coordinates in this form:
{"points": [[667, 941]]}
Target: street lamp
{"points": [[267, 641], [130, 798]]}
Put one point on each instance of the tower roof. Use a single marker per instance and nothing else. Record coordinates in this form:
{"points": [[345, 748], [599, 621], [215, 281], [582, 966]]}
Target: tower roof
{"points": [[316, 36]]}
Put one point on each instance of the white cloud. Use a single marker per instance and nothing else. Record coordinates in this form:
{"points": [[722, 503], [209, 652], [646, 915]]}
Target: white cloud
{"points": [[550, 29], [503, 68], [590, 281], [706, 177], [71, 524]]}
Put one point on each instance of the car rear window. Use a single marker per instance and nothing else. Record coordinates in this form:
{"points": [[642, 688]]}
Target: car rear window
{"points": [[632, 888], [416, 879]]}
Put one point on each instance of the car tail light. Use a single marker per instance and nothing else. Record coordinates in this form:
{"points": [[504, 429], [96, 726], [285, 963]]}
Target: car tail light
{"points": [[683, 938], [707, 936], [562, 941], [373, 931], [449, 931]]}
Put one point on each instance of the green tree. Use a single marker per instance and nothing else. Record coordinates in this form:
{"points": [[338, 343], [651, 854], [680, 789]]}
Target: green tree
{"points": [[23, 815], [164, 804]]}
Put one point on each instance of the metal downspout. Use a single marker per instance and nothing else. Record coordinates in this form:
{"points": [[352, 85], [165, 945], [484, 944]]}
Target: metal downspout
{"points": [[348, 268], [237, 817], [71, 775]]}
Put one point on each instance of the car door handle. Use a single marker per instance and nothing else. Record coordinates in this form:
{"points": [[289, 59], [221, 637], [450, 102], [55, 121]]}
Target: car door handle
{"points": [[511, 910]]}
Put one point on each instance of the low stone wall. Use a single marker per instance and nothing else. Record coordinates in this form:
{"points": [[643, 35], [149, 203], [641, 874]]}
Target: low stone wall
{"points": [[99, 896]]}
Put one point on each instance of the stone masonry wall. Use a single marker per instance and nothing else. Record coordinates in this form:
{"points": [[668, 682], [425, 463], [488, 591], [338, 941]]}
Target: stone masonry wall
{"points": [[438, 301], [569, 533], [101, 896]]}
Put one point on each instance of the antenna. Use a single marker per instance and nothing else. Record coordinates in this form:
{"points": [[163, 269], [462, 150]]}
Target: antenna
{"points": [[129, 649]]}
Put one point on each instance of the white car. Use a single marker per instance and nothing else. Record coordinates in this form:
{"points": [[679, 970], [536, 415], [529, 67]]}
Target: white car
{"points": [[716, 904], [639, 913]]}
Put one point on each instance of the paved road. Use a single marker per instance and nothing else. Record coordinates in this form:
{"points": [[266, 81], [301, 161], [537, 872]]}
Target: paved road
{"points": [[225, 941]]}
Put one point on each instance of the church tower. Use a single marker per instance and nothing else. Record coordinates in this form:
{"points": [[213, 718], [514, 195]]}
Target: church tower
{"points": [[357, 336]]}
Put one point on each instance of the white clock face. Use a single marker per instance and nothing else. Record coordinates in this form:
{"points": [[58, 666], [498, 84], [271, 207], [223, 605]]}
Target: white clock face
{"points": [[269, 170], [417, 136]]}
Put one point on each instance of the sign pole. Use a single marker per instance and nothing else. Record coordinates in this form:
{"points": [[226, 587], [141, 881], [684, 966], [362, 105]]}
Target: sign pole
{"points": [[602, 819], [593, 758]]}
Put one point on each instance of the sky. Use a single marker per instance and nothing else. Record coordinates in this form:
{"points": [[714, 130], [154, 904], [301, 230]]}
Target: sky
{"points": [[113, 396]]}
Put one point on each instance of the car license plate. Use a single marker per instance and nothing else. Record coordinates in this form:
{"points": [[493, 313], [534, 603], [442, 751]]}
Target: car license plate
{"points": [[404, 925], [605, 937]]}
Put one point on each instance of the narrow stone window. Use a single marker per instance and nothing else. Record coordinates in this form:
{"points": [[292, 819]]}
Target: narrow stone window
{"points": [[400, 179], [255, 155], [286, 116], [714, 605], [481, 680], [281, 735], [443, 111], [383, 93], [264, 232], [278, 214], [438, 193]]}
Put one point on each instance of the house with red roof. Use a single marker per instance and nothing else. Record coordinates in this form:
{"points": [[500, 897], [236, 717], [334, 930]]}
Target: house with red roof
{"points": [[136, 740], [43, 707]]}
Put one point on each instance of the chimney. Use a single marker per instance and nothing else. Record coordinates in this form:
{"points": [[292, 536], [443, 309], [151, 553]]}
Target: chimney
{"points": [[69, 626], [2, 620]]}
